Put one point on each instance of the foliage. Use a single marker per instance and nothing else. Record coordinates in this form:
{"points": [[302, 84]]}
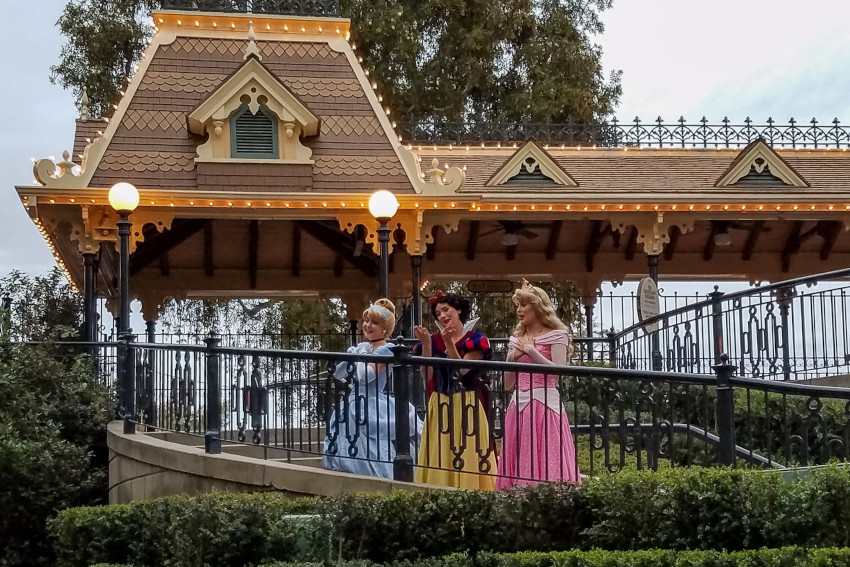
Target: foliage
{"points": [[785, 556], [43, 308], [497, 312], [52, 444], [486, 60], [292, 324], [681, 509], [105, 40], [476, 60]]}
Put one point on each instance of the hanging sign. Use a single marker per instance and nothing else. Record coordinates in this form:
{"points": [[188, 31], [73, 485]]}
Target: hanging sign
{"points": [[648, 305], [490, 286]]}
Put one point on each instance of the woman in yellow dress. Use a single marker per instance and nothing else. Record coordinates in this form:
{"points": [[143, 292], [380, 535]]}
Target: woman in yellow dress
{"points": [[456, 448]]}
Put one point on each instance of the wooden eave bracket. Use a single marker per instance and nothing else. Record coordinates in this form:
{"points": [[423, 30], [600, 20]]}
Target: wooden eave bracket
{"points": [[653, 229]]}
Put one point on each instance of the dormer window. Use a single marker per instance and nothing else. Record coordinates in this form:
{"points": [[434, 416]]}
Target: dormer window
{"points": [[253, 135]]}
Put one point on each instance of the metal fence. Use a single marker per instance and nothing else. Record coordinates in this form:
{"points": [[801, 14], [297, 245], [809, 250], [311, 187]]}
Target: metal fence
{"points": [[315, 407], [614, 133], [791, 330]]}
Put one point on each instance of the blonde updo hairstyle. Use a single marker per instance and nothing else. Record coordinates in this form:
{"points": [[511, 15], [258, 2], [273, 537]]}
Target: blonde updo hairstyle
{"points": [[528, 294], [381, 313]]}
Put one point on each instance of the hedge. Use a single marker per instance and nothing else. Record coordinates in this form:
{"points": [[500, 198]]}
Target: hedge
{"points": [[679, 509], [787, 556]]}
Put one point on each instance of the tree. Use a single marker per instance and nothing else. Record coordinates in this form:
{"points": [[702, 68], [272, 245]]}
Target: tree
{"points": [[104, 41], [450, 60], [53, 415]]}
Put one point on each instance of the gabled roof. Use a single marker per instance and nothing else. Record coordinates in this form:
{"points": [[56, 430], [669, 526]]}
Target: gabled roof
{"points": [[531, 161], [763, 165], [225, 99]]}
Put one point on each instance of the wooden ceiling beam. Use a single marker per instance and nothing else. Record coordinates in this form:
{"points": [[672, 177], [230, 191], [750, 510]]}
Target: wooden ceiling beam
{"points": [[160, 243], [296, 250], [209, 264], [345, 244], [431, 247], [554, 235], [670, 248], [338, 265], [598, 232], [631, 245], [755, 232], [472, 241], [510, 252], [710, 245], [253, 251], [829, 231]]}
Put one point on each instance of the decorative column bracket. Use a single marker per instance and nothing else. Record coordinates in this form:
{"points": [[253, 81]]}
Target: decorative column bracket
{"points": [[653, 228]]}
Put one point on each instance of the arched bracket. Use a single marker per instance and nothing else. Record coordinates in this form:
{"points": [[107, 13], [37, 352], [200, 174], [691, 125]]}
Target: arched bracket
{"points": [[653, 229]]}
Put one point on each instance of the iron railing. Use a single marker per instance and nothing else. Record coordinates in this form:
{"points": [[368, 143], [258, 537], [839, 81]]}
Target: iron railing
{"points": [[637, 133], [297, 406], [319, 8], [789, 330]]}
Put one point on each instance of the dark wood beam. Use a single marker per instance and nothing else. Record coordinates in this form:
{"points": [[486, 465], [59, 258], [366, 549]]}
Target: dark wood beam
{"points": [[296, 250], [338, 265], [345, 244], [598, 232], [631, 245], [710, 245], [829, 232], [472, 241], [253, 251], [164, 265], [157, 245], [431, 247], [510, 252], [554, 234], [670, 248], [755, 232], [209, 268]]}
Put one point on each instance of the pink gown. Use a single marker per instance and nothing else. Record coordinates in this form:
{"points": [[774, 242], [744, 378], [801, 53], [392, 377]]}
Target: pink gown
{"points": [[537, 444]]}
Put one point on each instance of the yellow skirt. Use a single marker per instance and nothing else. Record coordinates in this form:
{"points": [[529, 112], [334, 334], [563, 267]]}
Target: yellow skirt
{"points": [[451, 454]]}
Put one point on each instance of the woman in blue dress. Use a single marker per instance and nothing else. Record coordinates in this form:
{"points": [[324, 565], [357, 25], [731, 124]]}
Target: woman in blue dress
{"points": [[361, 430]]}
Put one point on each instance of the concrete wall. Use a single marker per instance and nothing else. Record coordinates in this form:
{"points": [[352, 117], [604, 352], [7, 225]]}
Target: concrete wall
{"points": [[144, 466]]}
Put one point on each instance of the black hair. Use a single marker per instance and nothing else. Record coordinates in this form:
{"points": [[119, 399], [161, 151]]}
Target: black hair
{"points": [[462, 304]]}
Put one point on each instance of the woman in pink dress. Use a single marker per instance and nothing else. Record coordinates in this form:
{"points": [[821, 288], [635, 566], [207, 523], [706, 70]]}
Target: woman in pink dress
{"points": [[537, 444]]}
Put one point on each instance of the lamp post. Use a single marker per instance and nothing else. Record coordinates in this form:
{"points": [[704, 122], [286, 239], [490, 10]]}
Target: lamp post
{"points": [[124, 198], [383, 206]]}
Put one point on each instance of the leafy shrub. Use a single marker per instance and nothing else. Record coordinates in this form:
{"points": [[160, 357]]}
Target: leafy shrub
{"points": [[53, 415], [678, 509]]}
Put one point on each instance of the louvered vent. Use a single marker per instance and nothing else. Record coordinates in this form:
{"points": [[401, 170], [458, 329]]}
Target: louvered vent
{"points": [[255, 135]]}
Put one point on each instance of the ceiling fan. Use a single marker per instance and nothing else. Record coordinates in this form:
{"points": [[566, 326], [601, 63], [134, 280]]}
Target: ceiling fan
{"points": [[720, 230], [512, 230]]}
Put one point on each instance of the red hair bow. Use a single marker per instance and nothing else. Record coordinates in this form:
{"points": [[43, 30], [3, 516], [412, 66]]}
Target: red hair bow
{"points": [[435, 298]]}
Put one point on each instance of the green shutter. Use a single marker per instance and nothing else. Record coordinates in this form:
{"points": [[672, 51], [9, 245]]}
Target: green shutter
{"points": [[253, 135]]}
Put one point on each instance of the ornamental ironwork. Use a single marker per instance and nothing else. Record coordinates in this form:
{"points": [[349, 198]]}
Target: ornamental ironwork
{"points": [[320, 8], [613, 133]]}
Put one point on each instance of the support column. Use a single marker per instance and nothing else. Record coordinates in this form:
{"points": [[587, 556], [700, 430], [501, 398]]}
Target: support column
{"points": [[657, 359], [588, 317], [417, 388], [416, 269], [89, 297], [353, 326]]}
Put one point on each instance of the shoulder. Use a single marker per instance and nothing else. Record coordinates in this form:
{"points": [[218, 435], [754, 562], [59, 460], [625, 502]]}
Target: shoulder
{"points": [[554, 337], [476, 340], [384, 349]]}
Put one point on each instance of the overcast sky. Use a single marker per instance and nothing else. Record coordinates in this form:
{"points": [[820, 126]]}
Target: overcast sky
{"points": [[734, 58]]}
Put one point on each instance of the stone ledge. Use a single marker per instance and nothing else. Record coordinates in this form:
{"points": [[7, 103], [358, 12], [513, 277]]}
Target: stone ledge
{"points": [[144, 467]]}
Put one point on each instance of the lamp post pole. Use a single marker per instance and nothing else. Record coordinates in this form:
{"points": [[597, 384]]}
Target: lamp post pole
{"points": [[124, 198], [384, 260], [383, 205]]}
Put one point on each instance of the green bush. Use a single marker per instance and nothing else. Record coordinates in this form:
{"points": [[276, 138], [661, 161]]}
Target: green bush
{"points": [[782, 557], [219, 529], [678, 509], [53, 417]]}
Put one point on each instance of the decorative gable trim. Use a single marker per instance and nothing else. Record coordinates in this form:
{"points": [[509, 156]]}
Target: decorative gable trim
{"points": [[758, 164], [531, 165], [255, 86]]}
